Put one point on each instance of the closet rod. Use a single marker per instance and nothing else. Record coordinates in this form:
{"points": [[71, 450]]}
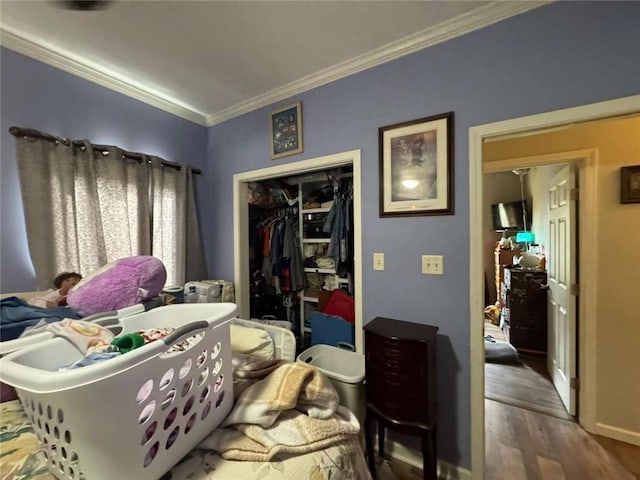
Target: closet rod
{"points": [[30, 133]]}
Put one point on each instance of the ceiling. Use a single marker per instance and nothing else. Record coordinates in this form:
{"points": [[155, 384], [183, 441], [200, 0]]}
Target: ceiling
{"points": [[208, 61]]}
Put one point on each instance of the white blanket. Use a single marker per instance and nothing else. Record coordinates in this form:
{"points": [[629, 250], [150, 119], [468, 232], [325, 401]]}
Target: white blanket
{"points": [[293, 410]]}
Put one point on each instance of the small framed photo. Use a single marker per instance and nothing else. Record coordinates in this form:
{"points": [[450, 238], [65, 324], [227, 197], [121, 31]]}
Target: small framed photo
{"points": [[630, 184], [285, 127], [416, 167]]}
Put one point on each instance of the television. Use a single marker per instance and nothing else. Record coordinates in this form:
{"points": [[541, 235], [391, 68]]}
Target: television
{"points": [[510, 216]]}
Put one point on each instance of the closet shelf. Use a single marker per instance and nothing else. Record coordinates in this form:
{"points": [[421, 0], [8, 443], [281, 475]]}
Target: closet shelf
{"points": [[316, 240], [320, 270], [316, 210]]}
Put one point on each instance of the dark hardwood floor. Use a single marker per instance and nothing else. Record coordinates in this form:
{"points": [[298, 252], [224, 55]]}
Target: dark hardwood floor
{"points": [[526, 384], [628, 455], [526, 445], [404, 471], [529, 435]]}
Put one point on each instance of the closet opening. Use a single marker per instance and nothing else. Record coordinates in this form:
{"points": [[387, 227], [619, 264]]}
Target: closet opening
{"points": [[297, 239]]}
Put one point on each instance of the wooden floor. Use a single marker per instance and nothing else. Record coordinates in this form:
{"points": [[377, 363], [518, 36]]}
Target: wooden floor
{"points": [[526, 384], [527, 445], [529, 435], [404, 471]]}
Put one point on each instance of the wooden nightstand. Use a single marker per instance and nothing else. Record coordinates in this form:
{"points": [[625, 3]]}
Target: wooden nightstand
{"points": [[400, 362]]}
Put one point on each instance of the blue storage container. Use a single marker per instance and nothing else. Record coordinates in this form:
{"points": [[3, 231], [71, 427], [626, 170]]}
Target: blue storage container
{"points": [[330, 330]]}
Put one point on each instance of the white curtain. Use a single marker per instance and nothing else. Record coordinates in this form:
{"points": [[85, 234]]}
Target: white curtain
{"points": [[176, 236], [86, 207]]}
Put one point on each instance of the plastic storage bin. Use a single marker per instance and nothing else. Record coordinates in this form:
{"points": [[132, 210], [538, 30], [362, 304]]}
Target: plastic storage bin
{"points": [[330, 330], [136, 415], [346, 371]]}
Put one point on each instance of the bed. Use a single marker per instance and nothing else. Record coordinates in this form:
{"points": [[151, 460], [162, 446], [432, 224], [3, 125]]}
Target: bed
{"points": [[335, 456]]}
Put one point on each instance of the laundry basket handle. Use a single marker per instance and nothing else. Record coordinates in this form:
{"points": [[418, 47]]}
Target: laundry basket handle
{"points": [[346, 346], [183, 331]]}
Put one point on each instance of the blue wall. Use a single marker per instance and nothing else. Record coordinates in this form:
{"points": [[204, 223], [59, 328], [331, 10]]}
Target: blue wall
{"points": [[561, 55], [38, 96]]}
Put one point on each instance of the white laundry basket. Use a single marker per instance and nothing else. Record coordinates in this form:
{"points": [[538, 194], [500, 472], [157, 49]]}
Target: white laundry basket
{"points": [[345, 369], [134, 416]]}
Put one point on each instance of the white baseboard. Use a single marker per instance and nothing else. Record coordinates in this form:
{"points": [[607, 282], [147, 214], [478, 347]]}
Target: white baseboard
{"points": [[446, 471], [616, 433]]}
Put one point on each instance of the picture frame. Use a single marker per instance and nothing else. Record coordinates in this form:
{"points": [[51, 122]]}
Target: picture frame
{"points": [[416, 167], [630, 184], [285, 127]]}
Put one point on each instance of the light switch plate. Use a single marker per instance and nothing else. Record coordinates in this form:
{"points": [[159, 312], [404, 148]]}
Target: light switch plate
{"points": [[432, 265], [378, 261]]}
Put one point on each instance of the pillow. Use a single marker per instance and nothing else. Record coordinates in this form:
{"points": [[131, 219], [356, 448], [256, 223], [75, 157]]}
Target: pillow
{"points": [[252, 341], [118, 284]]}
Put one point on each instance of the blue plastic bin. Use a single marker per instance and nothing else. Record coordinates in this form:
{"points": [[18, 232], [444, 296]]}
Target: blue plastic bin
{"points": [[330, 330]]}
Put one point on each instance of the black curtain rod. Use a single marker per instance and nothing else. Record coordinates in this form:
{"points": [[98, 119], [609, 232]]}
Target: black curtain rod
{"points": [[30, 133]]}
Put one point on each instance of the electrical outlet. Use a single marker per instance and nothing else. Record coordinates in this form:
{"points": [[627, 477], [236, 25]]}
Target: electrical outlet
{"points": [[432, 265], [378, 261]]}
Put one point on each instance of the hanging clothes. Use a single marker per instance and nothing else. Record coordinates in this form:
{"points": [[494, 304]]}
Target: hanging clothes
{"points": [[293, 253], [338, 225], [275, 254]]}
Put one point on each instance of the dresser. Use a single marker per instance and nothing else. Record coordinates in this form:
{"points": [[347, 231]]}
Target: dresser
{"points": [[502, 258], [400, 362], [524, 316]]}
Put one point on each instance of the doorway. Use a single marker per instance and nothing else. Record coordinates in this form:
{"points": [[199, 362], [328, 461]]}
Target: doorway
{"points": [[531, 320], [587, 229], [241, 223]]}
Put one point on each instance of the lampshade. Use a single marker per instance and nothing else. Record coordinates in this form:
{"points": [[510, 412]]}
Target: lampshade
{"points": [[526, 237]]}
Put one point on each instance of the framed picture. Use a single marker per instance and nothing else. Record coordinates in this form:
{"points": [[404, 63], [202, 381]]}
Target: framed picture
{"points": [[416, 167], [630, 184], [285, 126]]}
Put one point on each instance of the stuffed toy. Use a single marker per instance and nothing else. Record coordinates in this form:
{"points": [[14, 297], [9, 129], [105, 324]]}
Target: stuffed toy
{"points": [[492, 313], [118, 284]]}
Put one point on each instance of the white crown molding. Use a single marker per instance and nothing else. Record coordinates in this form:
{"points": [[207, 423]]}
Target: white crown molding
{"points": [[21, 43], [460, 25]]}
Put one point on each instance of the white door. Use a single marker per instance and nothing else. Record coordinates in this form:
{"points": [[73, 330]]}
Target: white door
{"points": [[561, 271]]}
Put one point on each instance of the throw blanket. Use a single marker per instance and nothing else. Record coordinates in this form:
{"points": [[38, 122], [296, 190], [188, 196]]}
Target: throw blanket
{"points": [[16, 316], [293, 410]]}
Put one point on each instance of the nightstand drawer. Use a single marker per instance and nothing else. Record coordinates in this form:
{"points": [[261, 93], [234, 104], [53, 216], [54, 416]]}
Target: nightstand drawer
{"points": [[405, 386], [399, 367], [400, 398], [404, 357]]}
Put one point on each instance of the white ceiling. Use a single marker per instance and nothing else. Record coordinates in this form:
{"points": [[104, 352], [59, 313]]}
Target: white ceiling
{"points": [[209, 61]]}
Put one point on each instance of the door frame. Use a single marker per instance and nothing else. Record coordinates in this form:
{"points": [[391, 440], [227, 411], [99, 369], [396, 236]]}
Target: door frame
{"points": [[585, 162], [241, 225], [587, 228]]}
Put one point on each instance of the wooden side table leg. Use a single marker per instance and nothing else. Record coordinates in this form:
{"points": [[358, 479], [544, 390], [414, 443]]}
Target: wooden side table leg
{"points": [[429, 455], [381, 433], [368, 434]]}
